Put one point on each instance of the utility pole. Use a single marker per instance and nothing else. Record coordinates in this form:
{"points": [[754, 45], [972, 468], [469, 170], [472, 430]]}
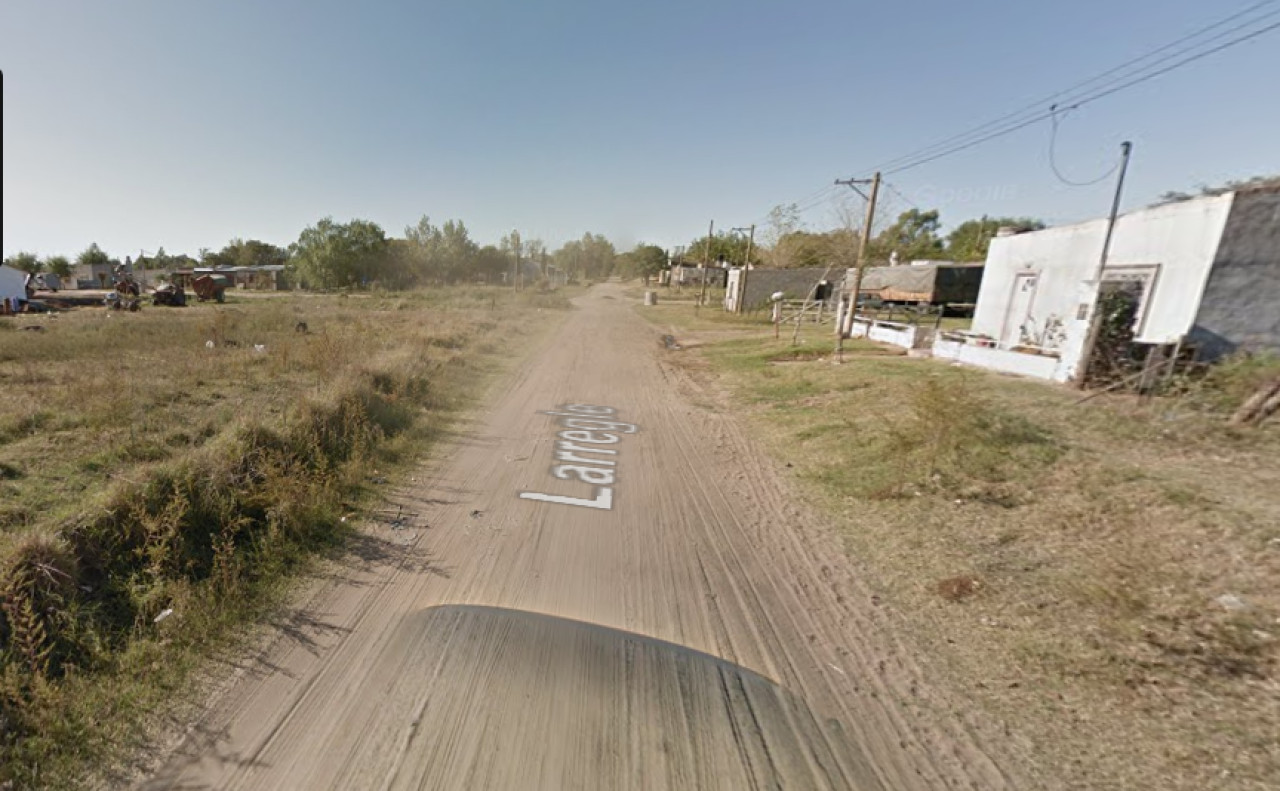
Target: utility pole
{"points": [[746, 267], [706, 263], [515, 266], [843, 327], [1095, 326]]}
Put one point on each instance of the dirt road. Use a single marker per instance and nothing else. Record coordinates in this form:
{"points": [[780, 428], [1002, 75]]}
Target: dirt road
{"points": [[686, 623]]}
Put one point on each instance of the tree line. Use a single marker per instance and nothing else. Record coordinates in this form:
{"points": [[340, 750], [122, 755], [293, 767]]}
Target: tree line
{"points": [[915, 235], [360, 254]]}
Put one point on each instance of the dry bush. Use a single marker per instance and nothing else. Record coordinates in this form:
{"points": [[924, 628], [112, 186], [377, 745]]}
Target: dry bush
{"points": [[156, 473], [954, 444]]}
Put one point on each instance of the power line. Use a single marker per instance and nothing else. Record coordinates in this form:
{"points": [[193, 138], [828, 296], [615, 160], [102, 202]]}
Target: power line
{"points": [[1019, 119], [1082, 101], [1053, 160], [1010, 117], [804, 204], [896, 191], [1075, 98]]}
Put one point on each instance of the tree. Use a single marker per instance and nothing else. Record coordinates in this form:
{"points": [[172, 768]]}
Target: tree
{"points": [[490, 263], [783, 221], [238, 252], [58, 265], [457, 251], [592, 257], [646, 260], [442, 254], [27, 262], [969, 240], [534, 249], [725, 246], [333, 255], [914, 236], [598, 256], [93, 255], [801, 249], [569, 258]]}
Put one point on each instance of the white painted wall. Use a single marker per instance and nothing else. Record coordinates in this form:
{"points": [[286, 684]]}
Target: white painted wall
{"points": [[13, 283], [993, 359], [890, 332], [731, 295], [1173, 244]]}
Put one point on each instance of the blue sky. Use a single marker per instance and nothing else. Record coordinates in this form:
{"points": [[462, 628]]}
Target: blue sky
{"points": [[181, 124]]}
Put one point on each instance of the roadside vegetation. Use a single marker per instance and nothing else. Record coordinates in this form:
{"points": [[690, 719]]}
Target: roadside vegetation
{"points": [[165, 474], [1102, 577]]}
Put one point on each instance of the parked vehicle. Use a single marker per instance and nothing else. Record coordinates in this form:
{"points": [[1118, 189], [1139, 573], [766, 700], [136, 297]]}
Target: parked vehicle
{"points": [[209, 287]]}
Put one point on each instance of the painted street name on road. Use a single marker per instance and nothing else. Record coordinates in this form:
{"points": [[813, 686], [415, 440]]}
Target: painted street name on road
{"points": [[583, 453]]}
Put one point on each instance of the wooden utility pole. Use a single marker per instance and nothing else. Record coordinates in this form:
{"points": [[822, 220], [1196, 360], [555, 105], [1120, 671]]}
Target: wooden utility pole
{"points": [[862, 254], [845, 325], [1095, 326], [706, 261], [746, 266], [515, 267]]}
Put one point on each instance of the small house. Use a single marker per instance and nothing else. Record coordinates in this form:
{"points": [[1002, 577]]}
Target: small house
{"points": [[689, 275], [753, 288], [13, 288], [1201, 275]]}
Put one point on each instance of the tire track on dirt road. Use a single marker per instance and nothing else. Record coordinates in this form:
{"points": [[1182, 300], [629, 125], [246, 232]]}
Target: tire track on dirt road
{"points": [[707, 631]]}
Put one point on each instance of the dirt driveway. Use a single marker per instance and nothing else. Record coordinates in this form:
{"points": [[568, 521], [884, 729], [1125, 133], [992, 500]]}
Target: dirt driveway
{"points": [[697, 628]]}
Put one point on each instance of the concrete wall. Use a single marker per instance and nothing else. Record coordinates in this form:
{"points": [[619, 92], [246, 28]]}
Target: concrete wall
{"points": [[1240, 308], [1035, 283], [91, 276], [890, 332], [991, 358], [794, 283], [692, 275], [13, 283]]}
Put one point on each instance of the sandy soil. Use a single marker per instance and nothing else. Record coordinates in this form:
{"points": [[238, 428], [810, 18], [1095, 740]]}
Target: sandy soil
{"points": [[707, 631]]}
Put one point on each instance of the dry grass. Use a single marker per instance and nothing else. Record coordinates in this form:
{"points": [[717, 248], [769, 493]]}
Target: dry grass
{"points": [[165, 473], [1103, 578]]}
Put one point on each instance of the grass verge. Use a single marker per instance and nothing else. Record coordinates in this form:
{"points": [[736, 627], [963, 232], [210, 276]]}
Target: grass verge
{"points": [[1103, 578], [166, 474]]}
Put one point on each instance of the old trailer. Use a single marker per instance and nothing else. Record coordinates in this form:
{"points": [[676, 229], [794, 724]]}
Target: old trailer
{"points": [[922, 283]]}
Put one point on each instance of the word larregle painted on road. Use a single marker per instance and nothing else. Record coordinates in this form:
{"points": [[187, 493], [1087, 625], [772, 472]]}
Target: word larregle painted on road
{"points": [[589, 430]]}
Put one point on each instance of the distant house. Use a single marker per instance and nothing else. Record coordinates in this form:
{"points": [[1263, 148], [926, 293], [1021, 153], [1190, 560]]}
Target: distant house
{"points": [[752, 289], [92, 276], [1202, 274], [13, 288], [690, 275], [264, 277]]}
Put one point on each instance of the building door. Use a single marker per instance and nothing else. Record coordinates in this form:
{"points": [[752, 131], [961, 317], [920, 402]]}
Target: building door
{"points": [[1021, 303]]}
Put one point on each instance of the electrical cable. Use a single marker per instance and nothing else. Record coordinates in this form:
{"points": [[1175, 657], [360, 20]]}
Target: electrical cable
{"points": [[1053, 162], [897, 192], [1011, 117], [1083, 101], [1019, 119]]}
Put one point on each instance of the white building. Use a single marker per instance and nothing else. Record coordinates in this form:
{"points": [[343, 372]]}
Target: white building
{"points": [[13, 285], [1206, 272]]}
